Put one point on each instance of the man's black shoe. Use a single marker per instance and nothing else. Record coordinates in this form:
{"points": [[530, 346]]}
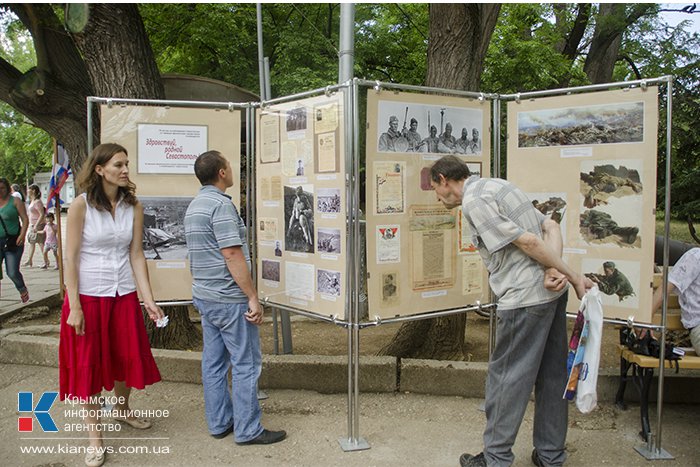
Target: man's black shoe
{"points": [[266, 437], [224, 434], [468, 460], [536, 459]]}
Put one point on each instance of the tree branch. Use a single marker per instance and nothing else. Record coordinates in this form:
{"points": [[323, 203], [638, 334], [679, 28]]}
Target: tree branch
{"points": [[632, 65]]}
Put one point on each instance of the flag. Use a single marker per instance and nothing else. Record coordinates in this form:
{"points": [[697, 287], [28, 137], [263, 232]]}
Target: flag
{"points": [[59, 175]]}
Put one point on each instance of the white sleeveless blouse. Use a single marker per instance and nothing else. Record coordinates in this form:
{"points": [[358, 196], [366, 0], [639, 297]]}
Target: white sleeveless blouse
{"points": [[105, 268]]}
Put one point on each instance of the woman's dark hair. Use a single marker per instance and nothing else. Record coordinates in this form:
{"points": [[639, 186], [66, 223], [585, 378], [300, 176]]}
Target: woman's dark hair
{"points": [[90, 182], [5, 182], [36, 190], [450, 167], [207, 167]]}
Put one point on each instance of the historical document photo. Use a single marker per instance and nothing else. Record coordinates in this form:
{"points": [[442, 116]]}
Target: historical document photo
{"points": [[420, 128], [164, 227]]}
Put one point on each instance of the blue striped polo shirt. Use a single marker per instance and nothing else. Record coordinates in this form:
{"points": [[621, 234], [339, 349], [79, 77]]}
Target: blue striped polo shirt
{"points": [[212, 222]]}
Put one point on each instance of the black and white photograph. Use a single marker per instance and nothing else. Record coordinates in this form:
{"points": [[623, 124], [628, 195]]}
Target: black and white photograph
{"points": [[328, 282], [612, 202], [587, 125], [299, 218], [390, 288], [271, 270], [164, 227], [328, 200], [296, 123], [328, 241], [425, 129]]}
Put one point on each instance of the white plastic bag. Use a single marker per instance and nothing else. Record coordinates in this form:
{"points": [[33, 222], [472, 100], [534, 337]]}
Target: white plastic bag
{"points": [[586, 396]]}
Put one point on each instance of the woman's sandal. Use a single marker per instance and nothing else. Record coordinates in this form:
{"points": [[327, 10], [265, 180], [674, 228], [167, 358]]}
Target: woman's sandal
{"points": [[137, 423], [94, 458], [24, 296]]}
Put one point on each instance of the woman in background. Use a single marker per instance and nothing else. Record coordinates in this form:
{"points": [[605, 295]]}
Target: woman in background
{"points": [[103, 341], [13, 227], [36, 224]]}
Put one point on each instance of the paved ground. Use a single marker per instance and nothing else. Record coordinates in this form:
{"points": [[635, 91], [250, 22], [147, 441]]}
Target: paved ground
{"points": [[401, 429]]}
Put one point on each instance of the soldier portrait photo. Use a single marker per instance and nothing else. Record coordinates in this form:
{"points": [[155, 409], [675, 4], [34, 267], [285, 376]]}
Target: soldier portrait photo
{"points": [[418, 128]]}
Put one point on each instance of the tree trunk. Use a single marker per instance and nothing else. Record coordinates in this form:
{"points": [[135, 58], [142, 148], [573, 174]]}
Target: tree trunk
{"points": [[459, 38], [612, 21], [179, 334]]}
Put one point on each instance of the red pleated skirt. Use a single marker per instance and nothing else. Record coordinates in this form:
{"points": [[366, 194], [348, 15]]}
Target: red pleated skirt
{"points": [[114, 347]]}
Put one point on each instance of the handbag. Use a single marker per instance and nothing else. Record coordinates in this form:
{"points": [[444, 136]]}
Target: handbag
{"points": [[10, 243]]}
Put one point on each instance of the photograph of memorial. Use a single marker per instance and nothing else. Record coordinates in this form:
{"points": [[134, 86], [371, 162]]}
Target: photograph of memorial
{"points": [[612, 203], [271, 270], [617, 280], [328, 282], [328, 200], [164, 227], [594, 124], [328, 241], [299, 218], [420, 128]]}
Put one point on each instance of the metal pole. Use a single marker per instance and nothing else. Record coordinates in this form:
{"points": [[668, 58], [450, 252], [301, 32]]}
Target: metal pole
{"points": [[589, 87], [89, 125], [268, 87], [261, 66], [653, 450], [347, 42]]}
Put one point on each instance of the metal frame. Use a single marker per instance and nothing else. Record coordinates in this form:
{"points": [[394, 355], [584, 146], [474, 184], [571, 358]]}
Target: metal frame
{"points": [[653, 449]]}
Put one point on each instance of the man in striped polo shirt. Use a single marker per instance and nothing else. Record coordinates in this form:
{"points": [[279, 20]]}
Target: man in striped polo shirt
{"points": [[224, 294], [522, 252]]}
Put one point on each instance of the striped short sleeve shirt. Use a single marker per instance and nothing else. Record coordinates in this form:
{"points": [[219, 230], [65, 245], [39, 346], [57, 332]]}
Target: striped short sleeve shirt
{"points": [[212, 222], [498, 213]]}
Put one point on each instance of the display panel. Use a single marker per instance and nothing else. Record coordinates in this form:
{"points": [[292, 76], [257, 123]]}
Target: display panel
{"points": [[301, 205], [589, 161], [418, 253], [163, 143]]}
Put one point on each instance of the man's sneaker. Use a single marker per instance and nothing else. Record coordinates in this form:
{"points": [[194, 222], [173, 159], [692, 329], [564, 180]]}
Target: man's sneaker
{"points": [[267, 437], [468, 460], [536, 461]]}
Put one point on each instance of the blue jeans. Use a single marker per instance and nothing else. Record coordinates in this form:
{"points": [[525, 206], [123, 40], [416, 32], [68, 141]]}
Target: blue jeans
{"points": [[230, 342], [12, 261], [531, 349]]}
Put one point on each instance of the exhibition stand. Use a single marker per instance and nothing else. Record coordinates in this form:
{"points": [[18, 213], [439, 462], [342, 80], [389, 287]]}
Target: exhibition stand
{"points": [[305, 165]]}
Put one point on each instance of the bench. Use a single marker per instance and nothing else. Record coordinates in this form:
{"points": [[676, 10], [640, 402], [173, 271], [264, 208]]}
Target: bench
{"points": [[643, 370]]}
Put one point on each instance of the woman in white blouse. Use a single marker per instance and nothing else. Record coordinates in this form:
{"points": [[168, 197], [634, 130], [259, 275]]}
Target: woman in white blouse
{"points": [[103, 342]]}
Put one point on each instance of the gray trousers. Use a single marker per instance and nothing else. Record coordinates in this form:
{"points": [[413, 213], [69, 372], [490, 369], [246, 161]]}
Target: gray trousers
{"points": [[531, 348]]}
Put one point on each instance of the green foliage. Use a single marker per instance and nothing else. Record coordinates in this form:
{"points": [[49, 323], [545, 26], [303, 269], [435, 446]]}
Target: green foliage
{"points": [[392, 42], [216, 41], [23, 147], [523, 54]]}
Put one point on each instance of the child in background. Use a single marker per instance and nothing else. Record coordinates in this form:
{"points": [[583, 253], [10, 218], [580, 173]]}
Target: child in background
{"points": [[51, 243]]}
